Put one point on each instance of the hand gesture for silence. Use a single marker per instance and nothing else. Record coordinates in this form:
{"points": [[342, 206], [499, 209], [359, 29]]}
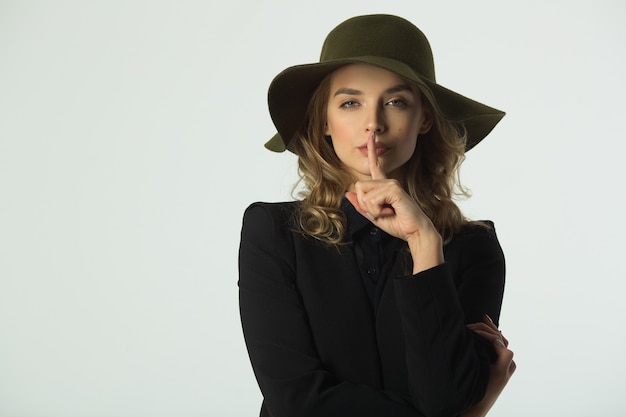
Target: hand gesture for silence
{"points": [[389, 207]]}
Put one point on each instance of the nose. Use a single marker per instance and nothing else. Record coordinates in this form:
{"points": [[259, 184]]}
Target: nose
{"points": [[374, 120]]}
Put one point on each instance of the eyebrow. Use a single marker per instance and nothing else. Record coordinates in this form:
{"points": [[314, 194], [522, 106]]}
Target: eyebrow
{"points": [[390, 90]]}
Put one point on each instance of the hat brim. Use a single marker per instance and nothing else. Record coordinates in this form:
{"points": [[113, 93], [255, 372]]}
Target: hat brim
{"points": [[292, 89]]}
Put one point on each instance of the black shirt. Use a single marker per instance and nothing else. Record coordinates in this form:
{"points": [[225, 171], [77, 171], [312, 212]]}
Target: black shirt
{"points": [[375, 251]]}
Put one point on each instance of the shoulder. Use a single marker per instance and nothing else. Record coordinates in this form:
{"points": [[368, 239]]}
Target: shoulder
{"points": [[265, 220], [266, 246], [481, 229], [280, 213], [476, 240]]}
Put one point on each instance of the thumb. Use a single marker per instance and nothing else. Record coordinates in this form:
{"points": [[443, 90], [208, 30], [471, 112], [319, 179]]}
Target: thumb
{"points": [[352, 198]]}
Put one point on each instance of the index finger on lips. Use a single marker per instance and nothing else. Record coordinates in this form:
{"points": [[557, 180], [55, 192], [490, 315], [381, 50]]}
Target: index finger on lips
{"points": [[375, 170]]}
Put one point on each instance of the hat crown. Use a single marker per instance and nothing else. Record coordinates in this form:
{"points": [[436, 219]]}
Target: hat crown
{"points": [[383, 36]]}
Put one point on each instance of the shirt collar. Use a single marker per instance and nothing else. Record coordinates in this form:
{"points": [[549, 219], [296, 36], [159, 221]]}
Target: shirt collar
{"points": [[356, 221]]}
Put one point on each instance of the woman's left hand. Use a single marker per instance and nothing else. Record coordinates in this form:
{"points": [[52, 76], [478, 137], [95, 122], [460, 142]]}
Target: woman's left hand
{"points": [[389, 207], [501, 370]]}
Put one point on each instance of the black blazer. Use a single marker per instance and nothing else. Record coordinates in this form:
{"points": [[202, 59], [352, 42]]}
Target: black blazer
{"points": [[317, 347]]}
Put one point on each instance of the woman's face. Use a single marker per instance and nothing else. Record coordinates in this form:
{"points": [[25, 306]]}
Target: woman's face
{"points": [[365, 99]]}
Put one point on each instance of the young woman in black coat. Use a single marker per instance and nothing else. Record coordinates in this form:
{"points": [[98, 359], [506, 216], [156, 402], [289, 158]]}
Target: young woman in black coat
{"points": [[372, 295]]}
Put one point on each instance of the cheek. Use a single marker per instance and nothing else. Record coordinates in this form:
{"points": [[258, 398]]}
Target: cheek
{"points": [[340, 132], [409, 146], [409, 137]]}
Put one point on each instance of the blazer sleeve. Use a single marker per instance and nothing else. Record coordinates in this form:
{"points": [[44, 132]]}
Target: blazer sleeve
{"points": [[279, 341], [448, 364]]}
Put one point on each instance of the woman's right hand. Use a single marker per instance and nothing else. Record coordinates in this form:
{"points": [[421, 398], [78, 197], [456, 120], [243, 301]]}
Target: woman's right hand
{"points": [[501, 370], [389, 207]]}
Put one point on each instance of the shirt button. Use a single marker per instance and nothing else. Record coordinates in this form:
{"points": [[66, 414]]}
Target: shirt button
{"points": [[371, 271], [373, 231]]}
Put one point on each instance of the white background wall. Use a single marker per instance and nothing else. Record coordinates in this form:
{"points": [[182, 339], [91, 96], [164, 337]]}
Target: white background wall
{"points": [[131, 140]]}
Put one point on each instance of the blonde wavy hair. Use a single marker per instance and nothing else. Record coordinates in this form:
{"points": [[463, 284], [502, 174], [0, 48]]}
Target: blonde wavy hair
{"points": [[430, 177]]}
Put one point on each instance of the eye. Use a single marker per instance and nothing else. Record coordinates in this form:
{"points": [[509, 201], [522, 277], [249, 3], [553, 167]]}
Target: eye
{"points": [[397, 102], [348, 104]]}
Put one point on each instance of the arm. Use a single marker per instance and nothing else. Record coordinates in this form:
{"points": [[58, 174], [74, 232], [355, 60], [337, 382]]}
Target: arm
{"points": [[458, 362], [279, 340], [448, 366]]}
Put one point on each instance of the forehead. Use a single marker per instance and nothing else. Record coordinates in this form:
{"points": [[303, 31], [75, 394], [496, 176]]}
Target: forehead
{"points": [[365, 75]]}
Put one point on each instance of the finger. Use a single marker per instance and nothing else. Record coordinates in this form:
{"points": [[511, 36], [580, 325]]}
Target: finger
{"points": [[490, 329], [504, 366], [376, 197], [505, 360], [374, 164], [486, 334], [353, 198], [506, 341], [489, 322], [484, 327], [495, 339]]}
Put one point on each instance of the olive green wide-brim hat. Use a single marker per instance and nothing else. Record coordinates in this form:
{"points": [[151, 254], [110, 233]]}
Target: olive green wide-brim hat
{"points": [[386, 41]]}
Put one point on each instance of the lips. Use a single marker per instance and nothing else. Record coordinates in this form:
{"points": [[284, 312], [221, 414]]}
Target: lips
{"points": [[381, 148]]}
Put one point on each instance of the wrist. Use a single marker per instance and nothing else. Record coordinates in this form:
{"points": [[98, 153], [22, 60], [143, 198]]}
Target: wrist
{"points": [[426, 250]]}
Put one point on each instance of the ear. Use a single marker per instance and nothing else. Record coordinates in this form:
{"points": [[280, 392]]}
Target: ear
{"points": [[427, 123], [326, 129]]}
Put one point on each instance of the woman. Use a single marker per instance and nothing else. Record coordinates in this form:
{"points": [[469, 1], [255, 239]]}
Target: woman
{"points": [[372, 294]]}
